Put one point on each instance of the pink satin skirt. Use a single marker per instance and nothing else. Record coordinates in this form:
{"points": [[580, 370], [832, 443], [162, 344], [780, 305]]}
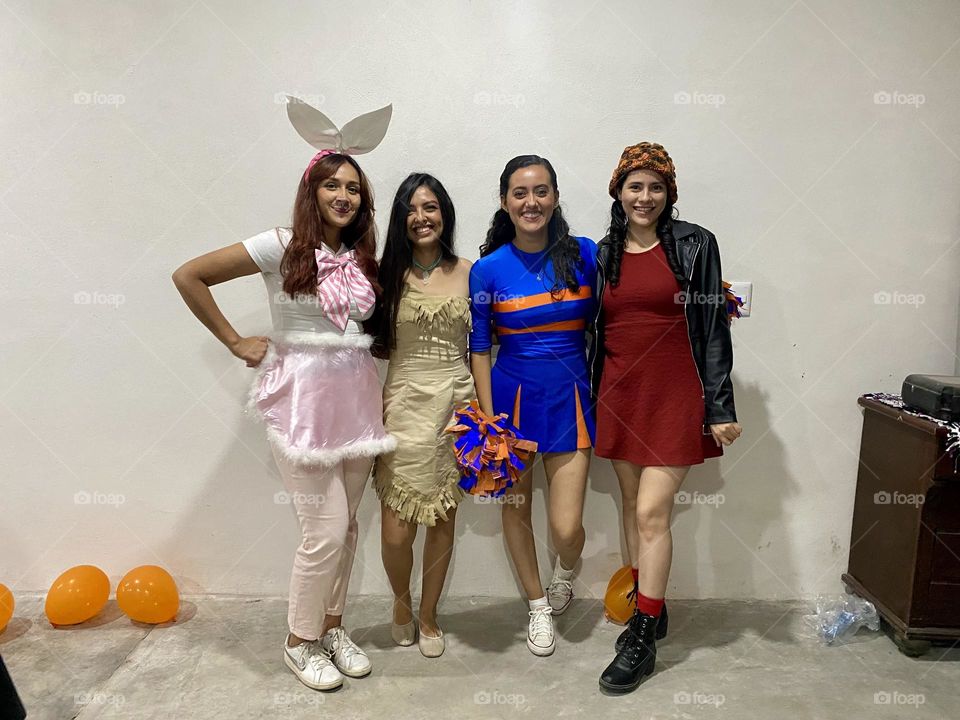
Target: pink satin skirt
{"points": [[319, 395]]}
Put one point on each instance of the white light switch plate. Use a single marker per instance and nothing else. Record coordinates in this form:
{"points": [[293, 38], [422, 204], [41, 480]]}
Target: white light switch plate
{"points": [[743, 290]]}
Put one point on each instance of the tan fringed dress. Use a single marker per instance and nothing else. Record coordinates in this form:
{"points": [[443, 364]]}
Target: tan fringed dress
{"points": [[427, 379]]}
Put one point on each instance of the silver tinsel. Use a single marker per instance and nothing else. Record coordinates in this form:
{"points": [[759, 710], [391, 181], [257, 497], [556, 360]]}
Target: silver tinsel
{"points": [[951, 426]]}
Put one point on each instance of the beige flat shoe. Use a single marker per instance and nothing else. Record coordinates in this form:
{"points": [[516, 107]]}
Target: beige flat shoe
{"points": [[432, 647], [404, 635]]}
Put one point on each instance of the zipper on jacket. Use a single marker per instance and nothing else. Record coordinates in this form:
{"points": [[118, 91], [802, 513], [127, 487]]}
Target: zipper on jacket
{"points": [[596, 321], [596, 317], [686, 302]]}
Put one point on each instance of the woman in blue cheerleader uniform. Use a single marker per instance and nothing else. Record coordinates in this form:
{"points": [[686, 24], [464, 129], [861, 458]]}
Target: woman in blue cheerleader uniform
{"points": [[534, 287]]}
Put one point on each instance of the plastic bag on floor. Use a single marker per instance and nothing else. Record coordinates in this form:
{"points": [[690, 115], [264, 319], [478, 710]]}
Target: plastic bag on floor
{"points": [[838, 617]]}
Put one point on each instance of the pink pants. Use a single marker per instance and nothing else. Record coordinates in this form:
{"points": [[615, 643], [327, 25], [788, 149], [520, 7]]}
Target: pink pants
{"points": [[326, 500]]}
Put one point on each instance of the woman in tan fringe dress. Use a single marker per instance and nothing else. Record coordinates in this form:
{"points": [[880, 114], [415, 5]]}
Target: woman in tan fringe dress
{"points": [[422, 328]]}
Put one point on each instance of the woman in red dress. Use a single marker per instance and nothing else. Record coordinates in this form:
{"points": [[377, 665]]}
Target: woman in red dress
{"points": [[660, 372]]}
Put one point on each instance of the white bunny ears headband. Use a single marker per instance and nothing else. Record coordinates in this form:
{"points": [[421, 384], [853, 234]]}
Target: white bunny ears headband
{"points": [[359, 136]]}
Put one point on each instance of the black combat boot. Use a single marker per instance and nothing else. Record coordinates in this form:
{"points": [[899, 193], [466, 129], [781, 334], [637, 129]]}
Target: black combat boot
{"points": [[660, 634], [635, 660]]}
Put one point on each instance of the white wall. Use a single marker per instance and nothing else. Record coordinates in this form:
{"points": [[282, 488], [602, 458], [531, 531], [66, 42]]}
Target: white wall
{"points": [[818, 194]]}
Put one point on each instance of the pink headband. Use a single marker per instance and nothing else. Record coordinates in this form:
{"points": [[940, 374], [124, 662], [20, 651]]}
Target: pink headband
{"points": [[316, 158]]}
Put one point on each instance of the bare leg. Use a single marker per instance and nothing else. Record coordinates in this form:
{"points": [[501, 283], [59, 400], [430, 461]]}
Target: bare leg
{"points": [[658, 485], [436, 560], [518, 531], [331, 621], [396, 549], [629, 476], [567, 482]]}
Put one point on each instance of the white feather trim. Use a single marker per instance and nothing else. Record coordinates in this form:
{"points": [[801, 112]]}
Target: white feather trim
{"points": [[323, 339], [331, 456]]}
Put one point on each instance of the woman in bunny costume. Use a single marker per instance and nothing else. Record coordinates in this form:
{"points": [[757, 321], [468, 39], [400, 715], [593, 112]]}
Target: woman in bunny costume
{"points": [[317, 388]]}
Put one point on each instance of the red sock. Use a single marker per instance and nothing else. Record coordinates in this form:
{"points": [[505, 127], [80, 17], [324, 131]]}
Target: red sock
{"points": [[649, 606]]}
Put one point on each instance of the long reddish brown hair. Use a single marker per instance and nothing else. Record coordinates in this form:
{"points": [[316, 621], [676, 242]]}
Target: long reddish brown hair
{"points": [[299, 263]]}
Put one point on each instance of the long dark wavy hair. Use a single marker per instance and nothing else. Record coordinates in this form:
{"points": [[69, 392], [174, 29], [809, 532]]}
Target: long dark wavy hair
{"points": [[618, 239], [398, 254], [562, 247], [299, 263]]}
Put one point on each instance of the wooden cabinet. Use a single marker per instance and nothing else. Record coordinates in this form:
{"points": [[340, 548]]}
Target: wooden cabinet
{"points": [[905, 540]]}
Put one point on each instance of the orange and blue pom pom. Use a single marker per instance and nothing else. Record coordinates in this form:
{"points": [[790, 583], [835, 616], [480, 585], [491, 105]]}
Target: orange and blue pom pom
{"points": [[491, 452], [734, 302]]}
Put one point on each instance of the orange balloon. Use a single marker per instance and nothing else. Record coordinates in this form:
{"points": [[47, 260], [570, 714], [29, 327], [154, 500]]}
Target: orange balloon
{"points": [[148, 594], [77, 595], [616, 606], [6, 606]]}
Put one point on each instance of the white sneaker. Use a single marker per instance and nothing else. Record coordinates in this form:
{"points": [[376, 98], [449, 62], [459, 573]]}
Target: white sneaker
{"points": [[540, 638], [349, 659], [560, 595], [311, 664]]}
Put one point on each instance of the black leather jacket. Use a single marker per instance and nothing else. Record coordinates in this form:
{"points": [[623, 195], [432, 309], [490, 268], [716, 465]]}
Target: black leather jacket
{"points": [[706, 314]]}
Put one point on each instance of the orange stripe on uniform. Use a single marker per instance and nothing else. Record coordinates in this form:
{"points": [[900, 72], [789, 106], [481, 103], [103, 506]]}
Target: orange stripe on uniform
{"points": [[516, 408], [583, 437], [549, 327], [531, 301]]}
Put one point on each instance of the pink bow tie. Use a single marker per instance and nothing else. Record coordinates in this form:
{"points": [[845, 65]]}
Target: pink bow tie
{"points": [[339, 278]]}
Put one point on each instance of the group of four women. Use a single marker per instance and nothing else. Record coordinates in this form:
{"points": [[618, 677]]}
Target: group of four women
{"points": [[621, 347]]}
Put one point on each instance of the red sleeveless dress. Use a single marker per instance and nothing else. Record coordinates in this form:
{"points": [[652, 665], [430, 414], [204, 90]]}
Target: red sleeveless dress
{"points": [[650, 402]]}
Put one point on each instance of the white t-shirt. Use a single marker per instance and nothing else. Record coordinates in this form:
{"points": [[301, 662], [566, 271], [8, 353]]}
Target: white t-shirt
{"points": [[301, 314]]}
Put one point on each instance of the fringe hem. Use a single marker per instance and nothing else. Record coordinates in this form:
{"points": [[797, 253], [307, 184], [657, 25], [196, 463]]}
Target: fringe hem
{"points": [[331, 456], [413, 506]]}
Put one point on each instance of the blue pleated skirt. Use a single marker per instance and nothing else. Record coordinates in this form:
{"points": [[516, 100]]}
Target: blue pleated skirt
{"points": [[547, 399]]}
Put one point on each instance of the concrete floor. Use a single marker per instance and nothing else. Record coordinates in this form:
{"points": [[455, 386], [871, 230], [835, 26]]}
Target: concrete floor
{"points": [[222, 659]]}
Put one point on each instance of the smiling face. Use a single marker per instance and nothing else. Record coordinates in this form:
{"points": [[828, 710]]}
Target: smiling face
{"points": [[643, 196], [530, 199], [338, 197], [424, 218]]}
